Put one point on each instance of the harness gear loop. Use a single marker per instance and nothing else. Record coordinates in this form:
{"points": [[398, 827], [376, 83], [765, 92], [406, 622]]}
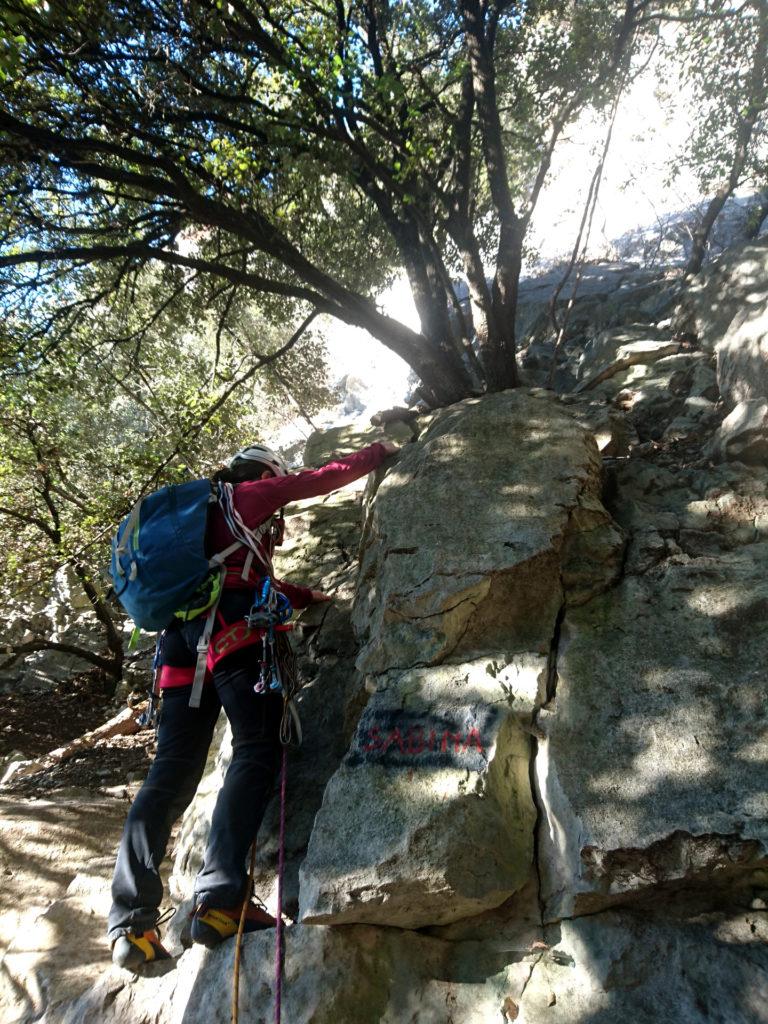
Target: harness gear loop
{"points": [[149, 718]]}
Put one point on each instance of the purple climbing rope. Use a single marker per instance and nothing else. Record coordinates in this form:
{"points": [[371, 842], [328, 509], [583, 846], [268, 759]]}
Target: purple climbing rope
{"points": [[280, 872]]}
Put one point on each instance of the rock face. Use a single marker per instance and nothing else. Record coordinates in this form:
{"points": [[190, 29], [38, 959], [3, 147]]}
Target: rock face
{"points": [[728, 308], [655, 766], [430, 817], [533, 785], [743, 434]]}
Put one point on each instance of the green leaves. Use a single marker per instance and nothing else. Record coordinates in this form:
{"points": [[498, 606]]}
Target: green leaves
{"points": [[83, 430]]}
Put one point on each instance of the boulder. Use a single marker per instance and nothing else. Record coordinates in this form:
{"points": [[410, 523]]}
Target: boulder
{"points": [[742, 353], [653, 394], [603, 969], [604, 348], [616, 968], [430, 817], [604, 296], [324, 445], [743, 434], [353, 975], [727, 307], [612, 429], [511, 485]]}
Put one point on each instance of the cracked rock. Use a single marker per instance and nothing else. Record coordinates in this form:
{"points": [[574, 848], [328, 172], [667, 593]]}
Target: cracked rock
{"points": [[430, 818], [654, 772]]}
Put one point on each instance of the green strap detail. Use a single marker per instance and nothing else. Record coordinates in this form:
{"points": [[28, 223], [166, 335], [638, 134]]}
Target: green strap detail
{"points": [[215, 582], [133, 643]]}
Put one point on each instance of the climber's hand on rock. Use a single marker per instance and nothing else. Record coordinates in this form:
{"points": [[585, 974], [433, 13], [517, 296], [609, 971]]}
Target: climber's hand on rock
{"points": [[318, 597], [390, 447]]}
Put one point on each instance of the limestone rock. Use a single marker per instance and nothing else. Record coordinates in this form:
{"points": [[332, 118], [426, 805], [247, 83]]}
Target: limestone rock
{"points": [[430, 817], [323, 445], [353, 975], [612, 428], [654, 770], [743, 434], [604, 348], [654, 394], [614, 968], [742, 354], [506, 483], [727, 306], [605, 296], [608, 968], [634, 353]]}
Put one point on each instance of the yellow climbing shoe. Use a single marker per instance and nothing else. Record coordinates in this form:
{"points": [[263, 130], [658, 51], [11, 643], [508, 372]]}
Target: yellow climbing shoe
{"points": [[133, 951], [211, 925]]}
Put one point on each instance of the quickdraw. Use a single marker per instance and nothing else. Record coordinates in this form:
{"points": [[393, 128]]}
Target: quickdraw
{"points": [[150, 718], [269, 610]]}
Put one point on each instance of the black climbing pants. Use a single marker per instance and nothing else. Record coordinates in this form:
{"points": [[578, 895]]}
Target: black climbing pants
{"points": [[184, 737]]}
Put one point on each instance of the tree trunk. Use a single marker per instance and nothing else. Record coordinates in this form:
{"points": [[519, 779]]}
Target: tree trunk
{"points": [[755, 102], [498, 353], [113, 665]]}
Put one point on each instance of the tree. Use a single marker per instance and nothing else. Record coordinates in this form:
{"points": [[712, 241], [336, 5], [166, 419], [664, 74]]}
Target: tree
{"points": [[89, 429], [723, 58], [301, 152]]}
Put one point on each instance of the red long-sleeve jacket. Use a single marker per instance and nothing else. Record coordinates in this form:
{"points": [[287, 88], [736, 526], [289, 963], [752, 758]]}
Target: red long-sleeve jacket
{"points": [[257, 500]]}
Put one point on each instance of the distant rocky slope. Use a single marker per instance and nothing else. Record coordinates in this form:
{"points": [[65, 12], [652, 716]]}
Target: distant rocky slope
{"points": [[534, 784]]}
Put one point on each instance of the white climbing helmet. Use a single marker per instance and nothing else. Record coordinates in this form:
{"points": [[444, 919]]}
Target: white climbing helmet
{"points": [[259, 453]]}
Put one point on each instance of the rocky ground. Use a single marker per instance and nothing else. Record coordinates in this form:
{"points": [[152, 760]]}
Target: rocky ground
{"points": [[39, 721], [59, 829]]}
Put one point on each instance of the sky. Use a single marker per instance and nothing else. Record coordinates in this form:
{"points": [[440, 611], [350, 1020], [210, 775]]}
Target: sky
{"points": [[355, 352]]}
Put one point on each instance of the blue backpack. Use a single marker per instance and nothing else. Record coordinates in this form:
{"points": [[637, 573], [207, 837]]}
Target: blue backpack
{"points": [[158, 556], [159, 565]]}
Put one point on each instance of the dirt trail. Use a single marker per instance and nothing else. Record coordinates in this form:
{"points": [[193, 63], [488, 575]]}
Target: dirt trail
{"points": [[59, 831]]}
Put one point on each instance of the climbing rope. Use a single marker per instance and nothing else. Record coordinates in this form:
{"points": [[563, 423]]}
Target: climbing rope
{"points": [[278, 671], [279, 946], [279, 951], [239, 940]]}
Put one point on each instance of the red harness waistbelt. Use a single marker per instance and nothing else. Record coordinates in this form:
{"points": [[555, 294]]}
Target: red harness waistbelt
{"points": [[231, 638]]}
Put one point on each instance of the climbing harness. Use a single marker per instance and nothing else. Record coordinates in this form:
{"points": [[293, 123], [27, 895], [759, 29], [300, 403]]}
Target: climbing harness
{"points": [[150, 719], [252, 541], [277, 669]]}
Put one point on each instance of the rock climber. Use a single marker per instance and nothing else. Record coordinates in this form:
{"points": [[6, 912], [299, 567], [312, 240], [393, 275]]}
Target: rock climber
{"points": [[262, 485]]}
